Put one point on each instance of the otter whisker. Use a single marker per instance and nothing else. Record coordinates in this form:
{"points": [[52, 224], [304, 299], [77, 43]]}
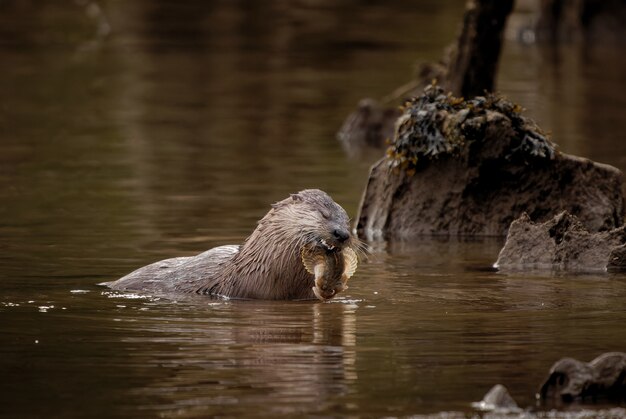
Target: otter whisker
{"points": [[360, 248]]}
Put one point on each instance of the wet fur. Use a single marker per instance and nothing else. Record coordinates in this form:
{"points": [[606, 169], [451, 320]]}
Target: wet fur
{"points": [[267, 266]]}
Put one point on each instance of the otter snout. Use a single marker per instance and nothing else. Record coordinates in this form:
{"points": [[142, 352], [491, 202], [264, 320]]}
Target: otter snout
{"points": [[336, 240], [341, 235]]}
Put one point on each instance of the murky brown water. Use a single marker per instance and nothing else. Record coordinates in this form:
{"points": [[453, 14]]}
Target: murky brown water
{"points": [[148, 129]]}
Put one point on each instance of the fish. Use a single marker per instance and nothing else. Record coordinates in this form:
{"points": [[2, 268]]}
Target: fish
{"points": [[331, 268]]}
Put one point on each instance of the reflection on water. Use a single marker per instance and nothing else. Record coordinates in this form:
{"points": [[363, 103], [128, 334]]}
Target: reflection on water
{"points": [[174, 129], [250, 356]]}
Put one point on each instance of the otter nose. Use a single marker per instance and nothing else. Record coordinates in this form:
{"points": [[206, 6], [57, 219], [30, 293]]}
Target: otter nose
{"points": [[341, 235]]}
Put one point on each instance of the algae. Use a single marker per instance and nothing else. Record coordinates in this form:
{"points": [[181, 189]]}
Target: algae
{"points": [[436, 124]]}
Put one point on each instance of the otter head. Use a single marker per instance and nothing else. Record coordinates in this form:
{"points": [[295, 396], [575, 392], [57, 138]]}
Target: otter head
{"points": [[324, 222], [321, 226]]}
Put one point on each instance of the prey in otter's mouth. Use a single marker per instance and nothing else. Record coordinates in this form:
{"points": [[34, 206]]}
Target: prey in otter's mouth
{"points": [[331, 266], [301, 249], [330, 257]]}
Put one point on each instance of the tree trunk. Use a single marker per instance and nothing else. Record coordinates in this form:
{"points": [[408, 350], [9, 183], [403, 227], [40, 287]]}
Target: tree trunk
{"points": [[473, 68]]}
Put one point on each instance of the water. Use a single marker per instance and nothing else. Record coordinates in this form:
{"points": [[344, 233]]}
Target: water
{"points": [[136, 131]]}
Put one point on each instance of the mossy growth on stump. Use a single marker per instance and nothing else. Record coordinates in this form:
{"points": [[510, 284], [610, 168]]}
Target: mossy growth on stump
{"points": [[436, 124]]}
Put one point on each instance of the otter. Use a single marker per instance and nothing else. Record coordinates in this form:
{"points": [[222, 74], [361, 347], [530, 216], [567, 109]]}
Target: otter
{"points": [[301, 249]]}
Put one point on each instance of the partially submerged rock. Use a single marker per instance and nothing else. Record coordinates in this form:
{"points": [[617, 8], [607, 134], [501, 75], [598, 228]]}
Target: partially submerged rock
{"points": [[368, 127], [470, 167], [497, 399], [561, 243], [571, 380]]}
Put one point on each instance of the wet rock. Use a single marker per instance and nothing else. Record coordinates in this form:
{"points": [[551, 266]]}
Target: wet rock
{"points": [[572, 380], [497, 399], [561, 243], [470, 167]]}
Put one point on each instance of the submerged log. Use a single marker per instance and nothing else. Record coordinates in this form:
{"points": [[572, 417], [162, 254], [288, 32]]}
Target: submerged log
{"points": [[459, 167]]}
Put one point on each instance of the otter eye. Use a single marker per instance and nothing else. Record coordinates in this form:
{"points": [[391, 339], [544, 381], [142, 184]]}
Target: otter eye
{"points": [[325, 214]]}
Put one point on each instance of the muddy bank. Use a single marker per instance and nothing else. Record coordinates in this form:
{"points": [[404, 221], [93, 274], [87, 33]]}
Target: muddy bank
{"points": [[561, 243], [458, 167]]}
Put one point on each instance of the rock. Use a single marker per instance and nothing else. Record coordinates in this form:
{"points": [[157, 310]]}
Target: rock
{"points": [[571, 380], [497, 399], [561, 243], [459, 167], [368, 127]]}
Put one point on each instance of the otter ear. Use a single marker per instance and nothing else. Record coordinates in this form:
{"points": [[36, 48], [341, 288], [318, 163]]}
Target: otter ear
{"points": [[296, 197]]}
